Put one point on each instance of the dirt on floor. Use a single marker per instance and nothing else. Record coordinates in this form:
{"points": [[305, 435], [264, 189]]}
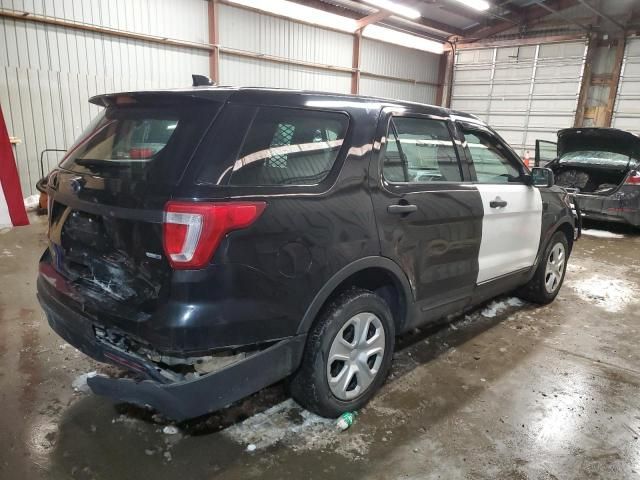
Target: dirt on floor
{"points": [[511, 390]]}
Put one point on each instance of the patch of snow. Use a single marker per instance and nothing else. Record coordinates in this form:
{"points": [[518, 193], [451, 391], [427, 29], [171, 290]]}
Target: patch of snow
{"points": [[170, 430], [126, 420], [275, 424], [497, 307], [611, 294], [251, 447], [31, 202], [79, 384], [573, 268], [289, 424], [601, 233], [6, 253]]}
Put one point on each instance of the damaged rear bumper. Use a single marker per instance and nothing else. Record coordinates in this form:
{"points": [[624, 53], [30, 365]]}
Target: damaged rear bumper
{"points": [[193, 398], [178, 400], [621, 207]]}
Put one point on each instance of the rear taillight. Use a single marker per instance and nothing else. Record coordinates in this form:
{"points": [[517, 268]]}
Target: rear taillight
{"points": [[633, 178], [192, 231]]}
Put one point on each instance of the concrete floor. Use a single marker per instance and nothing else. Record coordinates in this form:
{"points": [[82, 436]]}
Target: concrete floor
{"points": [[509, 391]]}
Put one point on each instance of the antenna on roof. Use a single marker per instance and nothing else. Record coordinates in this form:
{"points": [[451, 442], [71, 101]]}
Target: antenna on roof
{"points": [[201, 81]]}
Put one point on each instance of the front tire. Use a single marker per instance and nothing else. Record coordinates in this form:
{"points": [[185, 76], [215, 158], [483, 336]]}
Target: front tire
{"points": [[545, 284], [347, 356]]}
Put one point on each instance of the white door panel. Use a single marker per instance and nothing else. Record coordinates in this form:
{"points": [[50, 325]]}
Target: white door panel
{"points": [[510, 234]]}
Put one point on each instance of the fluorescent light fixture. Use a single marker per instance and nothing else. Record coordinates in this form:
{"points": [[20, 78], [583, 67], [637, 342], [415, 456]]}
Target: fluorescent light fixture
{"points": [[480, 5], [395, 8], [297, 11], [302, 13], [388, 35]]}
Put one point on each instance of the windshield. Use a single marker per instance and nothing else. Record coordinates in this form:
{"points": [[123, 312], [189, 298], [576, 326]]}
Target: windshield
{"points": [[139, 142], [596, 158]]}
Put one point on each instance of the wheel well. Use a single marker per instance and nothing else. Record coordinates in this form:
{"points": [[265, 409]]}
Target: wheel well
{"points": [[567, 229], [382, 283]]}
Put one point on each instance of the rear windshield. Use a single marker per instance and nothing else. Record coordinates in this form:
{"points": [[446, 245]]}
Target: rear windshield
{"points": [[596, 158], [140, 142], [286, 146]]}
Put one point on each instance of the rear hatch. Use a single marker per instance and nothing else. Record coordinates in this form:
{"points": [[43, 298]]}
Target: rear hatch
{"points": [[108, 195], [595, 161]]}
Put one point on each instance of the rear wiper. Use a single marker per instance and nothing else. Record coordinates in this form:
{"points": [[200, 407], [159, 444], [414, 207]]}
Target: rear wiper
{"points": [[96, 162]]}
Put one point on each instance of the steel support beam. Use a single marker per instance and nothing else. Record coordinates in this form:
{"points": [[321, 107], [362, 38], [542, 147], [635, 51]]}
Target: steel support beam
{"points": [[373, 18], [214, 55], [87, 27], [567, 19], [585, 83], [615, 80], [519, 41], [533, 13], [442, 78], [355, 63], [603, 15]]}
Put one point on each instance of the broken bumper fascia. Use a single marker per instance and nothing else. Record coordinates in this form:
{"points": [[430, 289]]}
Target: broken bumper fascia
{"points": [[177, 400], [193, 398], [621, 207]]}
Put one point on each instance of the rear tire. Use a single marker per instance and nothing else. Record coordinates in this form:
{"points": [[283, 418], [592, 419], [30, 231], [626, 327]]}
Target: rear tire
{"points": [[545, 284], [347, 355]]}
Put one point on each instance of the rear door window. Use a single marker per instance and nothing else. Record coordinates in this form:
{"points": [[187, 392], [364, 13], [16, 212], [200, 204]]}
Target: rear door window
{"points": [[420, 150], [286, 146]]}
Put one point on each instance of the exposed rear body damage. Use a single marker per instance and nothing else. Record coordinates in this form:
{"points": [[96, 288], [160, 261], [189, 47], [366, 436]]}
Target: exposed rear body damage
{"points": [[197, 237], [601, 166]]}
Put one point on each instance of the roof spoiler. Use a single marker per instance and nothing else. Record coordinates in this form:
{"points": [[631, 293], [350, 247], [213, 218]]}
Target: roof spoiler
{"points": [[201, 81]]}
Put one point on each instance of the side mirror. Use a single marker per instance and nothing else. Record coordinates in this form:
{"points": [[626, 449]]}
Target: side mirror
{"points": [[542, 177]]}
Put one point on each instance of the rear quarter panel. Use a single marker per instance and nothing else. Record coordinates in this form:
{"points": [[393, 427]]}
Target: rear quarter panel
{"points": [[263, 279]]}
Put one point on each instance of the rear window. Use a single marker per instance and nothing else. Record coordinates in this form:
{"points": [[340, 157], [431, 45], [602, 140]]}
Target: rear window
{"points": [[150, 143], [596, 158], [285, 146]]}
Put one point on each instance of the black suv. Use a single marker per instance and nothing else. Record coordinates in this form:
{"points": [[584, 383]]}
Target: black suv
{"points": [[215, 240]]}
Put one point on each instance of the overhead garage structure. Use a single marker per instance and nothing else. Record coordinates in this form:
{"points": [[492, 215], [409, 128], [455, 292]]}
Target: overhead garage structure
{"points": [[311, 259], [520, 65], [626, 115], [525, 92], [57, 54]]}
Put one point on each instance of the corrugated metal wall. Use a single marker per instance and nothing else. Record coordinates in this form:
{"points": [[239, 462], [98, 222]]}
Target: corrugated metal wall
{"points": [[626, 114], [287, 39], [525, 93], [47, 73], [254, 32], [391, 61]]}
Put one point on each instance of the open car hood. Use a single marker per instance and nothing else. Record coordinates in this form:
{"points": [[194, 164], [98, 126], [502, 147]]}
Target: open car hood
{"points": [[606, 139]]}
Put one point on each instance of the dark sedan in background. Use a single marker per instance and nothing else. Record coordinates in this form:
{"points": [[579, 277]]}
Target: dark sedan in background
{"points": [[601, 166]]}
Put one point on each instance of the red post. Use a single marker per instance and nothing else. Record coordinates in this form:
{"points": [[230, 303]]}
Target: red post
{"points": [[9, 179]]}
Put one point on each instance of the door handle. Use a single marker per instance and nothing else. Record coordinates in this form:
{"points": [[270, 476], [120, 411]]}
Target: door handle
{"points": [[497, 203], [402, 209]]}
